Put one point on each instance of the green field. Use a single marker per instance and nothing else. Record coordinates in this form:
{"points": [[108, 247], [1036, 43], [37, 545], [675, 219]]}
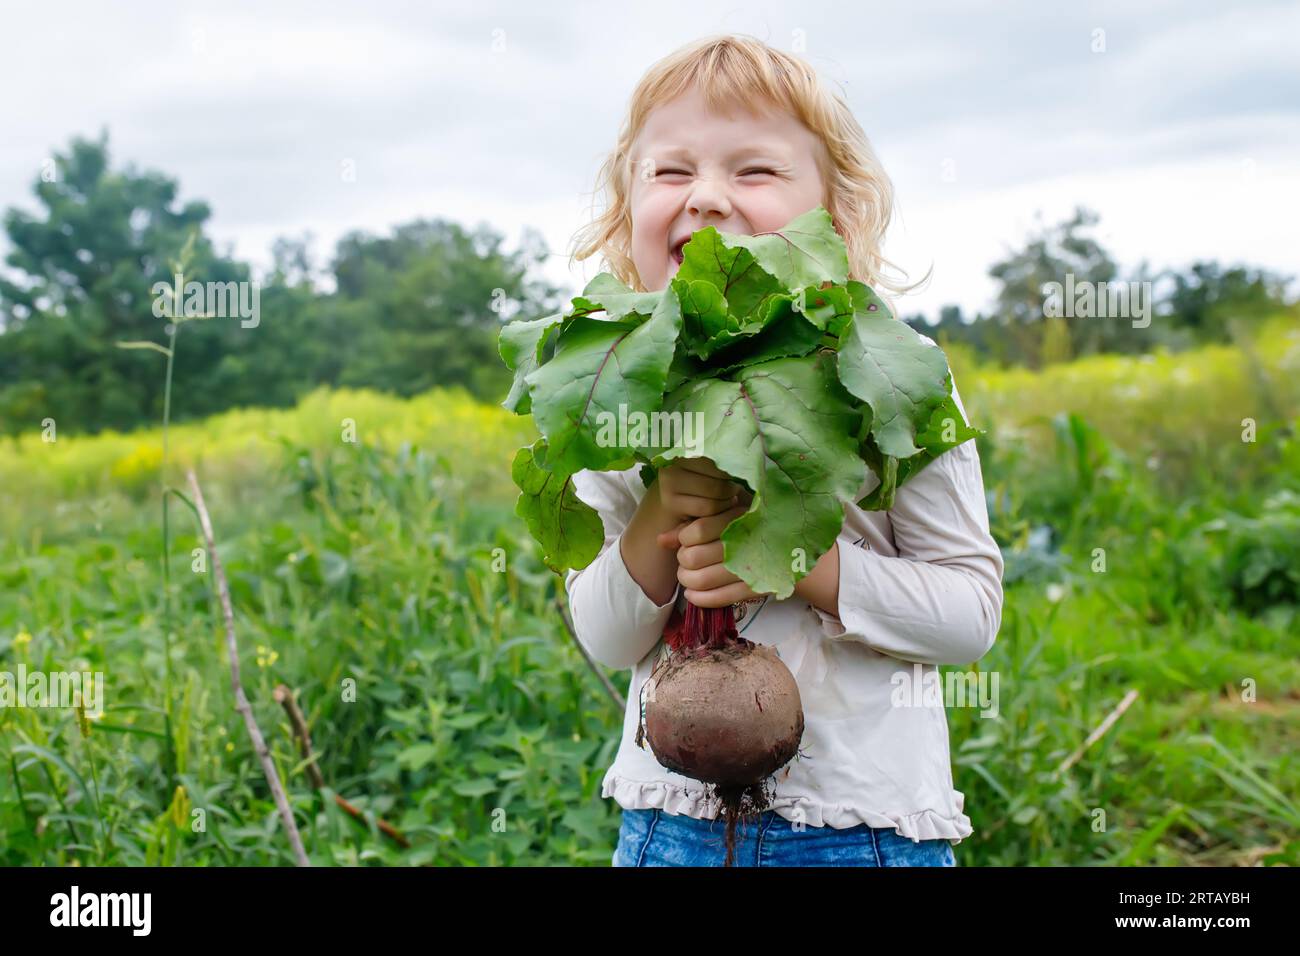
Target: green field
{"points": [[395, 564]]}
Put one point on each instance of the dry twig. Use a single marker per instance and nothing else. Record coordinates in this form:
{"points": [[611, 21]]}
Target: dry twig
{"points": [[1096, 735], [609, 688], [299, 723], [241, 699]]}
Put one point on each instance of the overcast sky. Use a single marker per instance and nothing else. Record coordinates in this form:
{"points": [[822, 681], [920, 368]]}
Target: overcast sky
{"points": [[1182, 133]]}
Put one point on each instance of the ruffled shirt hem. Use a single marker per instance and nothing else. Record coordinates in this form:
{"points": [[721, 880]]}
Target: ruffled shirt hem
{"points": [[671, 798]]}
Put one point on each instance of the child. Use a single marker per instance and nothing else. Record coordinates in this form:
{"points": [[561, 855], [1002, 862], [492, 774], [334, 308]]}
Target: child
{"points": [[731, 133]]}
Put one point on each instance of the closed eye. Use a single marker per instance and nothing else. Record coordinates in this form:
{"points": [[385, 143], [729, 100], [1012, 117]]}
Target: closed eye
{"points": [[748, 172]]}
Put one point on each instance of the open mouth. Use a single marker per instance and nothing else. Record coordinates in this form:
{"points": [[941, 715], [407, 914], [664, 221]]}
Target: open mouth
{"points": [[676, 252]]}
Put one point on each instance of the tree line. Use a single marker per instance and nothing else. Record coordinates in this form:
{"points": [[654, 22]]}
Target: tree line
{"points": [[1037, 319], [417, 308]]}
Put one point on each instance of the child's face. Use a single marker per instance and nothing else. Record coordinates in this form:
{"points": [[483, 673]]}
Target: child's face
{"points": [[742, 174]]}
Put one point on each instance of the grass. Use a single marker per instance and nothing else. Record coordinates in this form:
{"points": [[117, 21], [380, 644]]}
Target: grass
{"points": [[388, 582]]}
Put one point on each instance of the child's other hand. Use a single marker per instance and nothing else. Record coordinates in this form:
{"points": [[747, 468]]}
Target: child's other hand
{"points": [[695, 488], [700, 570], [707, 527]]}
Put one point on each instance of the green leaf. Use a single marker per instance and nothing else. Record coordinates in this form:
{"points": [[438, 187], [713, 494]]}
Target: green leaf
{"points": [[52, 757], [788, 334], [474, 788], [154, 346], [465, 721], [745, 273], [831, 310], [710, 257], [606, 294], [684, 367], [806, 252], [588, 824], [1024, 815], [334, 567], [947, 427], [418, 756], [887, 364], [886, 468], [946, 430], [520, 345], [599, 366], [568, 529], [706, 323], [787, 430]]}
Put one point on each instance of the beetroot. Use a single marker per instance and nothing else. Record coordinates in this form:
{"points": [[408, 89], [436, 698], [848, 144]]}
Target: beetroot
{"points": [[722, 710]]}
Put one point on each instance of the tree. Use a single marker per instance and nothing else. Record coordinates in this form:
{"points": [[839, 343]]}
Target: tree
{"points": [[428, 301], [1050, 255], [1206, 299], [412, 310], [86, 267]]}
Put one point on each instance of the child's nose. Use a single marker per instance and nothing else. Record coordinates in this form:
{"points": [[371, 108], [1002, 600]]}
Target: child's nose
{"points": [[708, 198]]}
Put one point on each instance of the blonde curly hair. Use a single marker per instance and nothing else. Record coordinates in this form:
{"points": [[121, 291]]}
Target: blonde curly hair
{"points": [[732, 69]]}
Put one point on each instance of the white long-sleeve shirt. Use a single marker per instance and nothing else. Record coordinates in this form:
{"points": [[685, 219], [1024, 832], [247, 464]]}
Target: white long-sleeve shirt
{"points": [[920, 585]]}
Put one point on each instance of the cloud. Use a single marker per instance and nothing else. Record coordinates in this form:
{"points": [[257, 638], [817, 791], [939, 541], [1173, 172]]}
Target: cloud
{"points": [[501, 112]]}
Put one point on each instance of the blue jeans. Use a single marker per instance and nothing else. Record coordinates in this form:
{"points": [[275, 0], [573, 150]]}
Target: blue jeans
{"points": [[656, 838]]}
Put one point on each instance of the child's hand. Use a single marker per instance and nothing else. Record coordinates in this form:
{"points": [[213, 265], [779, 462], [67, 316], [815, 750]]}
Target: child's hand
{"points": [[700, 570], [707, 527], [695, 488]]}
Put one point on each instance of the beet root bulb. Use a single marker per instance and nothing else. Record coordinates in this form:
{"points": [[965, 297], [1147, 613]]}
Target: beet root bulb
{"points": [[729, 716]]}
